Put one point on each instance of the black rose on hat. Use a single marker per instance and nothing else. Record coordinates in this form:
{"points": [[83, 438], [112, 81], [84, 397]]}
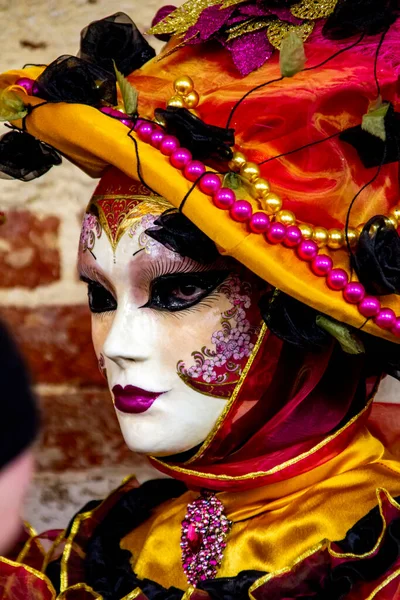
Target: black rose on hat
{"points": [[203, 140], [377, 257], [115, 38], [24, 157], [71, 79]]}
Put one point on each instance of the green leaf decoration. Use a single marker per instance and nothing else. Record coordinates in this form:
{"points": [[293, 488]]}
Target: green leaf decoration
{"points": [[348, 341], [374, 121], [292, 57], [129, 93], [232, 180], [236, 182], [11, 106]]}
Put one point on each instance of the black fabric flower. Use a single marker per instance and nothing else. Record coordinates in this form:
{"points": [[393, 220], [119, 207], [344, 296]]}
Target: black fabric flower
{"points": [[376, 259], [292, 321], [371, 149], [115, 38], [24, 157], [352, 17], [180, 235], [203, 140], [72, 79]]}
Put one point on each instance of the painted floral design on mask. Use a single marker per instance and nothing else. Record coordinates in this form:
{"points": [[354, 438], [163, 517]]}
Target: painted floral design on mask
{"points": [[91, 230], [144, 240], [219, 367]]}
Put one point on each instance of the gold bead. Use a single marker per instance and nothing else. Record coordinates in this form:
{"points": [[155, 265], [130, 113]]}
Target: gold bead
{"points": [[306, 231], [395, 212], [191, 100], [320, 236], [261, 187], [286, 217], [176, 101], [250, 171], [391, 221], [335, 238], [237, 161], [352, 236], [272, 203], [183, 85]]}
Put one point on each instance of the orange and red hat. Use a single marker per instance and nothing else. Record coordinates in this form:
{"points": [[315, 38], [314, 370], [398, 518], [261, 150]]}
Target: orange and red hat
{"points": [[291, 169]]}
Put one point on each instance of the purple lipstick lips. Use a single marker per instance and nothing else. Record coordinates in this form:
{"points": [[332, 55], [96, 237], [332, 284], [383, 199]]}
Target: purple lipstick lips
{"points": [[134, 400]]}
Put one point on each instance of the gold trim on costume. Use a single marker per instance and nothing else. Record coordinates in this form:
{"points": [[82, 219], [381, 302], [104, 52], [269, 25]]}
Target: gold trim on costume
{"points": [[80, 586], [134, 594], [275, 469], [74, 530], [232, 399], [48, 555], [32, 571], [27, 546], [68, 547], [384, 584], [187, 379], [384, 527], [265, 578], [326, 544]]}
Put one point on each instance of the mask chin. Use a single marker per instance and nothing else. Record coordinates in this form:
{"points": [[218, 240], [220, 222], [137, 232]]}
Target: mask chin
{"points": [[182, 457]]}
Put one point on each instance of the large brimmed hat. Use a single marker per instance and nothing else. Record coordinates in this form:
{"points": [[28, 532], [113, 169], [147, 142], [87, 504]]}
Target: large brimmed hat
{"points": [[291, 169]]}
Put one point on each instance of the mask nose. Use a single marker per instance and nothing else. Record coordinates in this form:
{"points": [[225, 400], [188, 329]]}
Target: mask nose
{"points": [[129, 339]]}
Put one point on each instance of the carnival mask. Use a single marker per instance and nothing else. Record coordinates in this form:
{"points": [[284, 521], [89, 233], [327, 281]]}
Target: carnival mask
{"points": [[172, 335]]}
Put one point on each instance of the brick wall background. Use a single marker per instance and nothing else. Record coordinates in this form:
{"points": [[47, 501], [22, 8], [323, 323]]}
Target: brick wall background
{"points": [[40, 296]]}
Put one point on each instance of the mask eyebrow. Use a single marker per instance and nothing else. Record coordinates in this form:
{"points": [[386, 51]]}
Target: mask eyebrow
{"points": [[88, 273]]}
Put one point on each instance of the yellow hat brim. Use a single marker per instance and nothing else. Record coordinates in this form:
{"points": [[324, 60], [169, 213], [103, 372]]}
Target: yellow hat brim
{"points": [[93, 141]]}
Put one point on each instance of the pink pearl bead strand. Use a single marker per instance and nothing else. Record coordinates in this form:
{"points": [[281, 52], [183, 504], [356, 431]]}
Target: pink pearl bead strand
{"points": [[276, 233]]}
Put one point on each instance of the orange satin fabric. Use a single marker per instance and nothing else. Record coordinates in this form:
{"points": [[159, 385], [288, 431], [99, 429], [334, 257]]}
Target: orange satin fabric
{"points": [[275, 524]]}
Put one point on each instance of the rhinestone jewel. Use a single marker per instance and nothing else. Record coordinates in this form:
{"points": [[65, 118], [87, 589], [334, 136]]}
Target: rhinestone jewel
{"points": [[204, 531]]}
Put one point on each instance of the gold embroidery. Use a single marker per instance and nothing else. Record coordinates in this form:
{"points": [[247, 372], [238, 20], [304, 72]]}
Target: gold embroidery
{"points": [[278, 29], [313, 9], [184, 17], [132, 208], [249, 26]]}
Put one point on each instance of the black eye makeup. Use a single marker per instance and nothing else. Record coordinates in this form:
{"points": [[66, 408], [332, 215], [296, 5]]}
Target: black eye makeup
{"points": [[178, 291], [100, 299]]}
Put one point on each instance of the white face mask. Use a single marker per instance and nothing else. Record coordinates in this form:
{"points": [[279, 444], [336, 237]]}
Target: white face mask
{"points": [[171, 335]]}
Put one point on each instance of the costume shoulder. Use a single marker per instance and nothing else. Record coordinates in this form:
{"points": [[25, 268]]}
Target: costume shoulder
{"points": [[86, 561]]}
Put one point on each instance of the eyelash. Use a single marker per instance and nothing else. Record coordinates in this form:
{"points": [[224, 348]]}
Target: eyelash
{"points": [[151, 276]]}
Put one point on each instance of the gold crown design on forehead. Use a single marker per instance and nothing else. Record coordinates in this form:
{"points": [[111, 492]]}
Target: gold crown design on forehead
{"points": [[118, 207]]}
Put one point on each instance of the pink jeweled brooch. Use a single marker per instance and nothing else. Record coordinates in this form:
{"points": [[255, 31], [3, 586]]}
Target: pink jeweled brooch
{"points": [[204, 531]]}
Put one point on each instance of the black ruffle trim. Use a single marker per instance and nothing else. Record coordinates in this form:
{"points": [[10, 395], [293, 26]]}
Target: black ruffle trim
{"points": [[108, 570]]}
